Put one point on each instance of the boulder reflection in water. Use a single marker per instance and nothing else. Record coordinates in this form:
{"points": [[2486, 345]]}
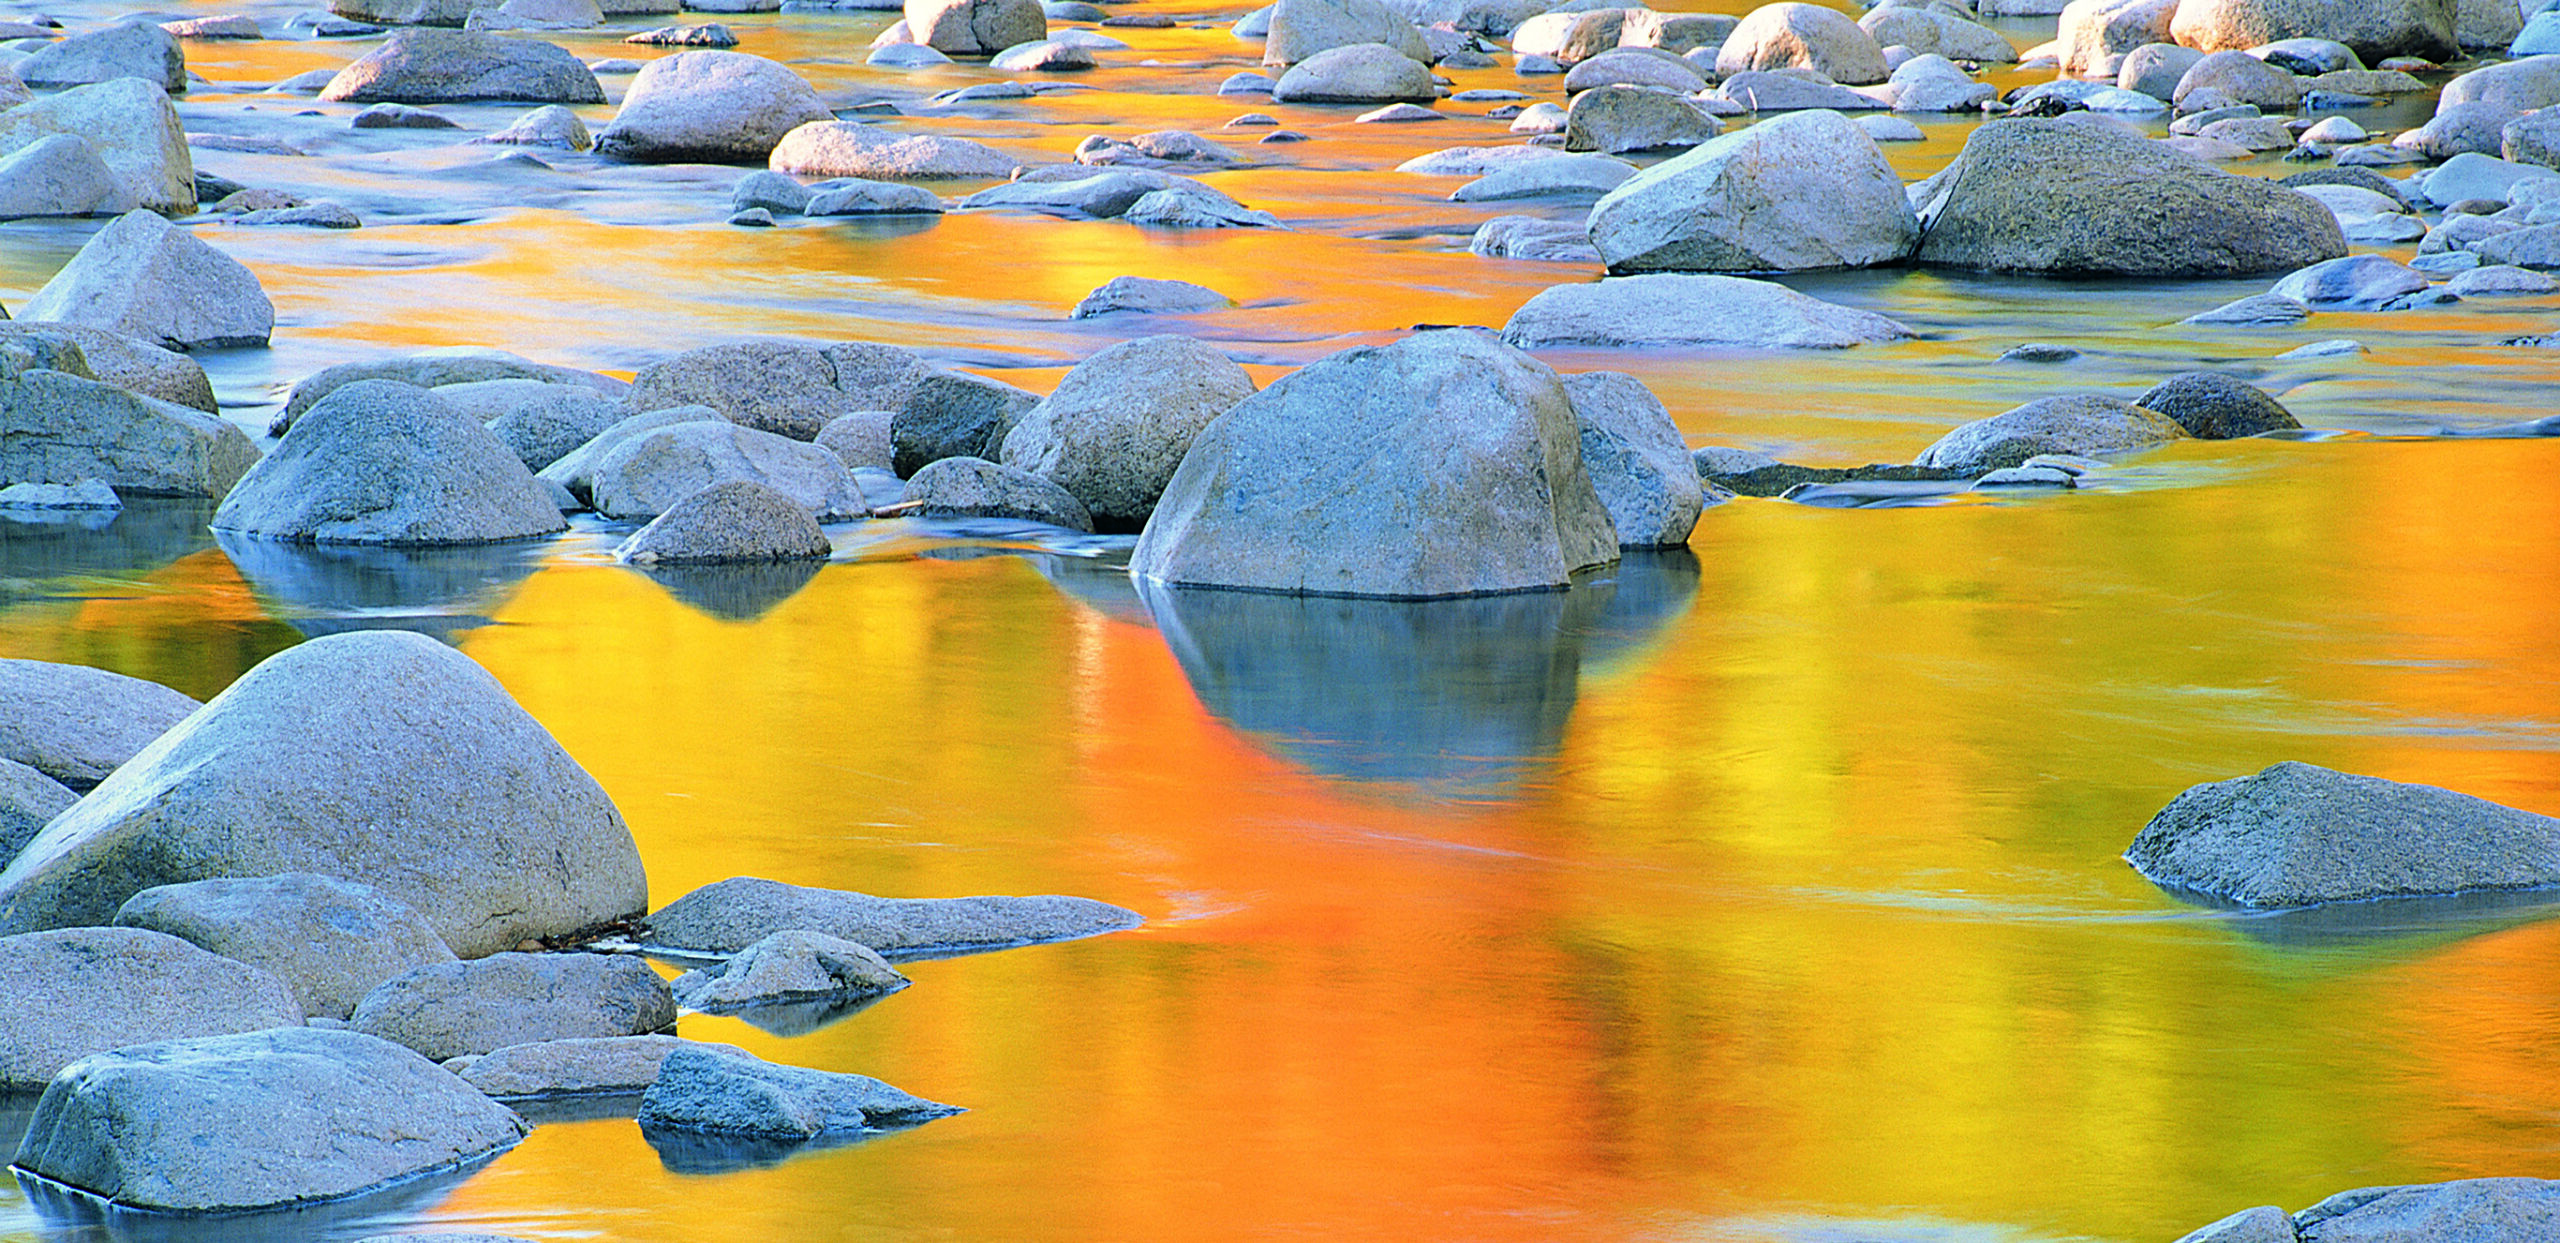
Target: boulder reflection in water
{"points": [[735, 591], [37, 545], [323, 589], [1465, 696]]}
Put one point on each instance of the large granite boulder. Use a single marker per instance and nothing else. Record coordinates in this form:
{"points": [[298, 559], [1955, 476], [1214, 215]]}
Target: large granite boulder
{"points": [[975, 27], [1359, 73], [575, 471], [455, 66], [133, 128], [1118, 424], [579, 1066], [330, 940], [954, 414], [1614, 120], [646, 475], [28, 801], [1639, 465], [381, 462], [795, 965], [60, 427], [782, 387], [264, 1119], [378, 754], [60, 175], [1794, 35], [75, 991], [711, 106], [1445, 464], [123, 360], [451, 1009], [740, 520], [2296, 834], [721, 1094], [1934, 30], [1571, 34], [2082, 424], [1302, 28], [1796, 192], [1676, 309], [2096, 36], [540, 423], [2067, 196], [728, 916], [2376, 29], [147, 278], [411, 12], [973, 487], [130, 49], [2525, 85], [2488, 1210], [439, 368], [834, 148], [76, 724], [2240, 78]]}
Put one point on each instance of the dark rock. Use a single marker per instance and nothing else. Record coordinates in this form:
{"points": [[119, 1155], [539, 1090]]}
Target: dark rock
{"points": [[2217, 407]]}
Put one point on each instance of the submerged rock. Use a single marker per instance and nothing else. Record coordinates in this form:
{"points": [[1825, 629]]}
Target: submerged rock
{"points": [[2296, 834], [1147, 295], [259, 1120], [330, 940], [789, 966], [740, 520], [376, 754], [846, 149], [147, 278], [450, 1009], [2082, 424], [1444, 464], [701, 1091], [76, 724], [77, 991], [1680, 309], [730, 915], [578, 1066]]}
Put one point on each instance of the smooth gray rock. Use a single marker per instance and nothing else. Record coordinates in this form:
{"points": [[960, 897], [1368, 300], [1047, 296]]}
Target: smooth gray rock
{"points": [[28, 799], [88, 494], [2082, 424], [859, 197], [551, 125], [381, 462], [544, 422], [728, 916], [2524, 85], [2217, 407], [1802, 36], [1798, 192], [2155, 68], [1569, 34], [2066, 196], [2266, 1224], [1675, 33], [1634, 67], [379, 754], [2535, 247], [131, 49], [1444, 464], [973, 487], [1192, 205], [789, 966], [2093, 34], [450, 1009], [60, 175], [1933, 84], [1637, 461], [2236, 77], [975, 27], [2296, 834], [75, 991], [575, 472], [1534, 238], [259, 1120], [2258, 309], [2352, 281], [2475, 128], [2500, 280], [58, 427], [1361, 73], [125, 361], [1100, 195], [710, 106], [1798, 90], [769, 190], [1118, 424], [697, 1090], [1681, 309], [131, 125], [1617, 119], [2376, 29], [1147, 295], [2479, 177], [648, 474], [739, 520], [1934, 30], [954, 414], [832, 148], [1301, 28], [441, 368], [401, 116], [75, 724], [1563, 177], [578, 1066], [330, 940], [784, 387], [860, 439], [423, 66], [147, 278], [2490, 1210]]}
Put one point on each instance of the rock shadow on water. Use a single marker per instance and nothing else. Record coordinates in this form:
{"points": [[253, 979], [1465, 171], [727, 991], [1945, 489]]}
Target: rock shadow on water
{"points": [[41, 545], [73, 1216], [800, 1018], [325, 589], [2390, 922], [1466, 696], [703, 1154], [736, 591]]}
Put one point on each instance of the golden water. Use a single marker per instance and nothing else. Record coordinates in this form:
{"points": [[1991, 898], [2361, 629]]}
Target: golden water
{"points": [[1747, 894]]}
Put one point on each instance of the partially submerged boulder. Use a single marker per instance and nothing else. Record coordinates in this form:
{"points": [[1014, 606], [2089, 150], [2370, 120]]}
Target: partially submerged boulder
{"points": [[1803, 36], [1797, 192], [2217, 407], [728, 916], [2296, 834], [378, 754], [784, 387], [2376, 29], [1119, 423], [648, 474], [954, 414], [148, 278], [739, 520], [1302, 28], [975, 27], [128, 49], [76, 724], [1676, 309], [2067, 196], [59, 427], [132, 126], [713, 106], [381, 462], [1360, 73], [330, 940], [450, 1009], [2083, 424], [973, 487], [578, 1066], [264, 1119], [128, 362], [575, 472], [790, 966], [453, 66], [701, 1091], [75, 991], [1638, 463], [1445, 464], [832, 148], [60, 175]]}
